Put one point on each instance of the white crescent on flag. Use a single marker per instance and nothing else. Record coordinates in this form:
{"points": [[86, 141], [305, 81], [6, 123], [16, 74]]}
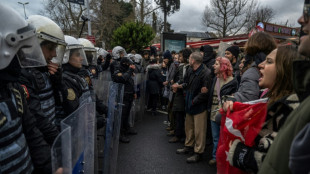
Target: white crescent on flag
{"points": [[229, 125]]}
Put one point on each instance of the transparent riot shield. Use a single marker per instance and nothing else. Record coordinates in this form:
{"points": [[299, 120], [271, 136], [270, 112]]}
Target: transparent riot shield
{"points": [[61, 153], [101, 89], [113, 128], [73, 150], [144, 93], [137, 109], [105, 76], [86, 97]]}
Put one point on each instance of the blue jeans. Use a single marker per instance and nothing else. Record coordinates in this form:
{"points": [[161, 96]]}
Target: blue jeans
{"points": [[216, 135]]}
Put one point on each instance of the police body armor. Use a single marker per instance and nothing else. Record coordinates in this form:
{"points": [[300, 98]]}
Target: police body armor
{"points": [[45, 92], [83, 96], [15, 157]]}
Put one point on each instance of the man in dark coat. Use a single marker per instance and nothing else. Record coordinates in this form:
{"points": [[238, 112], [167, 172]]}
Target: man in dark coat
{"points": [[196, 77], [178, 107]]}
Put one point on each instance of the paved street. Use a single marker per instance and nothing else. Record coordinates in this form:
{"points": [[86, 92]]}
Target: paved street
{"points": [[150, 152]]}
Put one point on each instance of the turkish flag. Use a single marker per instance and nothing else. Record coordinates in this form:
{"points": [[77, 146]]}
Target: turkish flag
{"points": [[244, 123]]}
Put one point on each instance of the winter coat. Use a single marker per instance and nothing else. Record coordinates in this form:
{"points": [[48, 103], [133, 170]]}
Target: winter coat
{"points": [[179, 99], [195, 101], [209, 58], [154, 81], [41, 100], [227, 89], [299, 153], [277, 158], [248, 88]]}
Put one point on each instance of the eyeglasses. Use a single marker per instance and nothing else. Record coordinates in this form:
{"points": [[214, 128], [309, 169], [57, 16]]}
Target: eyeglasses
{"points": [[306, 12]]}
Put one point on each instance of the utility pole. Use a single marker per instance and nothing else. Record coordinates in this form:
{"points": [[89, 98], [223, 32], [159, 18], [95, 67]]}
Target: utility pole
{"points": [[24, 7], [88, 16]]}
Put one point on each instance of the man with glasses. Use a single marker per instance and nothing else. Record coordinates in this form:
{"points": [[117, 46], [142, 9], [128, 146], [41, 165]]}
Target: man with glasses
{"points": [[289, 152]]}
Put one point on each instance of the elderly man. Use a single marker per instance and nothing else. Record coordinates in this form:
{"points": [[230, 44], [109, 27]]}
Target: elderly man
{"points": [[196, 78]]}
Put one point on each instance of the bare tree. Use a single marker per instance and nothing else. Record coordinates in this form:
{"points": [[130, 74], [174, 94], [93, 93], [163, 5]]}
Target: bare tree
{"points": [[262, 14], [143, 10], [105, 17], [66, 15], [168, 7], [228, 17]]}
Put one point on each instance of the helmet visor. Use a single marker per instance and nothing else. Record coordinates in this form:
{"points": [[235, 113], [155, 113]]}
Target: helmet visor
{"points": [[91, 57], [77, 57], [60, 51], [31, 55]]}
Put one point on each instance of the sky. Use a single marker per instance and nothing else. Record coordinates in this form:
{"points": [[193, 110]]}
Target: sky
{"points": [[188, 18]]}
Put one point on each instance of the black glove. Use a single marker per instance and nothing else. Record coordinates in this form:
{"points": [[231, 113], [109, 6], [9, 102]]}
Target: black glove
{"points": [[56, 79], [99, 60], [108, 57], [242, 157]]}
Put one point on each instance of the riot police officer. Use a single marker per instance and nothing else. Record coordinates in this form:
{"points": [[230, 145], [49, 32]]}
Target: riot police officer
{"points": [[123, 74], [43, 82], [137, 62], [87, 72], [91, 57], [22, 146], [74, 86], [118, 53], [103, 60]]}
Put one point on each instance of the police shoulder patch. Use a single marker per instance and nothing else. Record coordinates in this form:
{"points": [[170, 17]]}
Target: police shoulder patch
{"points": [[71, 94], [93, 71], [3, 119], [119, 74], [87, 78], [25, 91]]}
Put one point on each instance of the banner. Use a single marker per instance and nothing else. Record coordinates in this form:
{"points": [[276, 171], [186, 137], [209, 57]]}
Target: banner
{"points": [[244, 123]]}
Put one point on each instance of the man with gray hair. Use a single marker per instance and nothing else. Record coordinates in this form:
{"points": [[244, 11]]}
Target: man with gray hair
{"points": [[197, 77]]}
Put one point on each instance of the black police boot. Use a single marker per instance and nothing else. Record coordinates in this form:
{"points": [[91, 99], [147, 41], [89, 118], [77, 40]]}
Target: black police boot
{"points": [[124, 139]]}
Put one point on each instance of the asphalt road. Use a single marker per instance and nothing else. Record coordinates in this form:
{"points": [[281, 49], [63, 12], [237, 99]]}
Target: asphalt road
{"points": [[150, 153]]}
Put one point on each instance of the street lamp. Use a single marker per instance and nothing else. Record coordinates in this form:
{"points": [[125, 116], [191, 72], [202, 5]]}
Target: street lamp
{"points": [[24, 7]]}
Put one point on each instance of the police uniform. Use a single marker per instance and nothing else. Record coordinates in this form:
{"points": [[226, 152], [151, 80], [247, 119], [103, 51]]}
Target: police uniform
{"points": [[123, 75], [41, 100], [73, 88], [22, 146], [114, 65]]}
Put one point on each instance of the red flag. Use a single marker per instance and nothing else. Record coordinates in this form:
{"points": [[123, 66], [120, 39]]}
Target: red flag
{"points": [[244, 123]]}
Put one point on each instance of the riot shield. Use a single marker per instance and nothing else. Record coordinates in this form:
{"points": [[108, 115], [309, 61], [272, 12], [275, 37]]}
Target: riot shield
{"points": [[61, 152], [101, 89], [137, 109], [105, 76], [116, 92], [86, 97], [73, 150]]}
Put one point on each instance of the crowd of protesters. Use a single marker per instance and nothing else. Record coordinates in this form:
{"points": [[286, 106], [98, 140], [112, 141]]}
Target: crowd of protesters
{"points": [[203, 88], [205, 96]]}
